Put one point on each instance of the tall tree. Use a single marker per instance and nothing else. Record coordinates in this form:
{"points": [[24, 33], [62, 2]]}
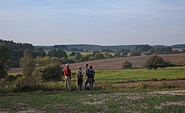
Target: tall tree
{"points": [[5, 60], [57, 53], [27, 63]]}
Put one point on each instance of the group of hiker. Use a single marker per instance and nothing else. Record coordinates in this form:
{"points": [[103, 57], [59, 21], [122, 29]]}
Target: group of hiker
{"points": [[88, 75]]}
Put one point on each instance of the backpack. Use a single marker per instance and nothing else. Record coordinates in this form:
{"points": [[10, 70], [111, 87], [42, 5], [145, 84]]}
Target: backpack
{"points": [[92, 73], [80, 75], [88, 73]]}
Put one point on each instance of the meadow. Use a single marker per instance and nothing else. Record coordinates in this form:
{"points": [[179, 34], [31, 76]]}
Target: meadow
{"points": [[140, 74], [112, 94]]}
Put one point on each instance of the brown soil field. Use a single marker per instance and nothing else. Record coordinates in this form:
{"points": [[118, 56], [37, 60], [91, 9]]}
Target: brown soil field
{"points": [[137, 61], [116, 63]]}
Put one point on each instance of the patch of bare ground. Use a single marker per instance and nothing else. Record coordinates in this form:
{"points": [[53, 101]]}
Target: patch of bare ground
{"points": [[63, 108], [24, 108], [180, 103], [30, 110], [135, 97], [94, 103], [3, 110], [21, 108]]}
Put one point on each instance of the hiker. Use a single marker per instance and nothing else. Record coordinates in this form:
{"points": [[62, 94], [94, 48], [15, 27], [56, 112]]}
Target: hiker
{"points": [[79, 78], [92, 72], [88, 77], [67, 75]]}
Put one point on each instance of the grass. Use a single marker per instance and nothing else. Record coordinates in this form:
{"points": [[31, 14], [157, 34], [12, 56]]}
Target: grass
{"points": [[93, 101], [139, 74], [106, 97]]}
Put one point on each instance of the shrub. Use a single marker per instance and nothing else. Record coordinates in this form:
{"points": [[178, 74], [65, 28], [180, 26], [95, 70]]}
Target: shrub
{"points": [[11, 78], [155, 62], [127, 65], [52, 72]]}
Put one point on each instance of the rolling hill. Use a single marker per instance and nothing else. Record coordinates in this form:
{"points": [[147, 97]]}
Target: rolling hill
{"points": [[116, 63], [137, 61]]}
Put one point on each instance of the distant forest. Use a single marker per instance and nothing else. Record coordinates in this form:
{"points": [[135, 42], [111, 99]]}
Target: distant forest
{"points": [[73, 53]]}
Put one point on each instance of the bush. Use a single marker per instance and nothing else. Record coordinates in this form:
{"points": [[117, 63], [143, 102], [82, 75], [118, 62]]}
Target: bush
{"points": [[52, 72], [155, 62], [13, 77], [127, 65]]}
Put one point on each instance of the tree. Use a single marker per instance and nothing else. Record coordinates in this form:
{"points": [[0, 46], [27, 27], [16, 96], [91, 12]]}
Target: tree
{"points": [[5, 60], [107, 55], [62, 47], [72, 53], [27, 63], [155, 62], [38, 52], [98, 55], [77, 57], [74, 49], [117, 54], [52, 71], [124, 52], [133, 53], [57, 53], [127, 65], [84, 58], [163, 50], [144, 48], [17, 54], [42, 61]]}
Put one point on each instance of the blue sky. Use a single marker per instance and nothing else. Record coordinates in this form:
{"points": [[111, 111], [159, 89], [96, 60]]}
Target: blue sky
{"points": [[102, 22]]}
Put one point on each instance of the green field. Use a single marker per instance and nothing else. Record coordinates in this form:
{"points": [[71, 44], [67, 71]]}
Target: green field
{"points": [[140, 74], [105, 97]]}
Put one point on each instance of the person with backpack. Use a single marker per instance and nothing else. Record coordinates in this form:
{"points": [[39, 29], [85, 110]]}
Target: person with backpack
{"points": [[92, 72], [79, 77], [67, 77], [88, 77]]}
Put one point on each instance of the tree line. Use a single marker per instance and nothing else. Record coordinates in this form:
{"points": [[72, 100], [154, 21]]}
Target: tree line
{"points": [[58, 52]]}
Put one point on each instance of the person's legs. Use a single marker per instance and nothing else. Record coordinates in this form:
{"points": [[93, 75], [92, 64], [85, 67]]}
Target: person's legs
{"points": [[90, 83], [81, 85], [86, 82], [68, 82]]}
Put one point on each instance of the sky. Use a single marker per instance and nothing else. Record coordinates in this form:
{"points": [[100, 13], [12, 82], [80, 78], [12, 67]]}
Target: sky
{"points": [[99, 22]]}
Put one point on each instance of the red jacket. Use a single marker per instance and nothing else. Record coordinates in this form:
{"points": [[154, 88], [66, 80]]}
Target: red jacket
{"points": [[67, 72]]}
